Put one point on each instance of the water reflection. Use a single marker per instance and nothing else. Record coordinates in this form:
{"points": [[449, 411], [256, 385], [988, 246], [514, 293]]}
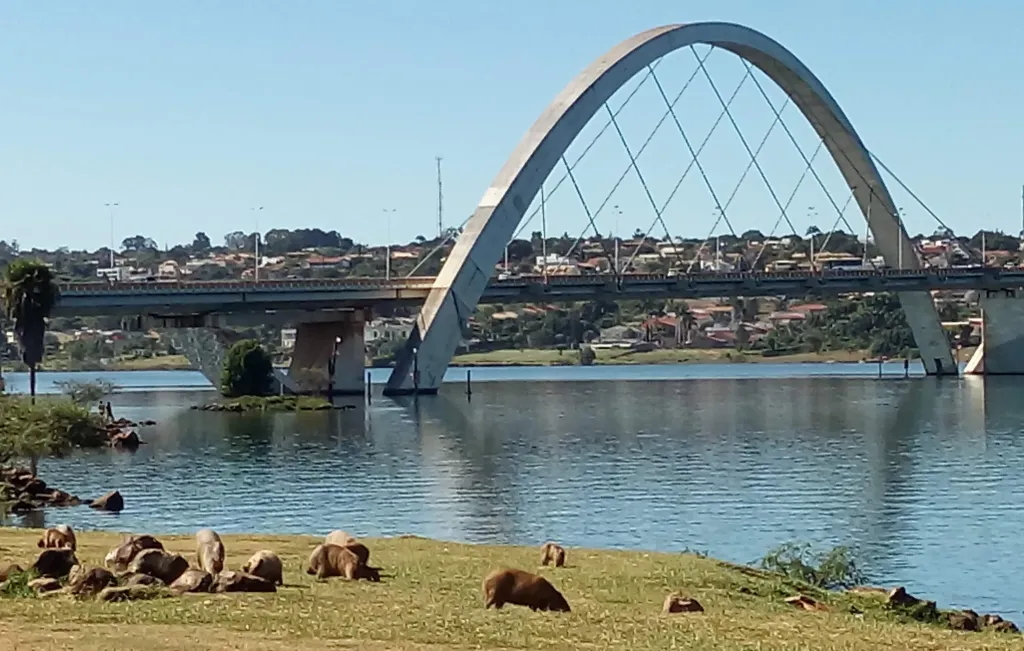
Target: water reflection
{"points": [[923, 476]]}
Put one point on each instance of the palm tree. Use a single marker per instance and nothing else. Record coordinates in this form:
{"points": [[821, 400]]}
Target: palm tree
{"points": [[29, 295]]}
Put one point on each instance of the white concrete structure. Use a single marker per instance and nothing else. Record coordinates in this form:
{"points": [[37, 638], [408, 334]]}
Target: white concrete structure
{"points": [[462, 280]]}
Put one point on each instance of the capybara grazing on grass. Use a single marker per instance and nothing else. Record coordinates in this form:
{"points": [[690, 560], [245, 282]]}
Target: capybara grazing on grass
{"points": [[209, 551], [120, 557], [508, 586], [339, 538], [159, 564], [333, 560], [553, 554], [266, 565], [58, 537]]}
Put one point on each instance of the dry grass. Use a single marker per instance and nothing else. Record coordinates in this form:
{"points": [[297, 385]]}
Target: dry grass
{"points": [[430, 598]]}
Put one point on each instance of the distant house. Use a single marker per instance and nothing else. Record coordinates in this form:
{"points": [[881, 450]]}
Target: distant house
{"points": [[388, 330]]}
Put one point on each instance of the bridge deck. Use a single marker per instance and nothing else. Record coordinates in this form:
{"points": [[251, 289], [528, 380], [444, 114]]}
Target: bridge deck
{"points": [[202, 297]]}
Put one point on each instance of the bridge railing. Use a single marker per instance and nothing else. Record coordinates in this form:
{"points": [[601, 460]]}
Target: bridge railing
{"points": [[425, 282]]}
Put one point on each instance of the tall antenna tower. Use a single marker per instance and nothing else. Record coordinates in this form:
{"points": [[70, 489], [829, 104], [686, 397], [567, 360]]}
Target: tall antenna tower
{"points": [[440, 201]]}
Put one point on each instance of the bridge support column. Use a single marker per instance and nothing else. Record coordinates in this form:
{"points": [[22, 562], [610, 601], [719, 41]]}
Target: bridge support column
{"points": [[314, 346], [1002, 337], [929, 335]]}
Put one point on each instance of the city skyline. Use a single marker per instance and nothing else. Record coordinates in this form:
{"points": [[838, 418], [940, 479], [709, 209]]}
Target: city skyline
{"points": [[215, 114]]}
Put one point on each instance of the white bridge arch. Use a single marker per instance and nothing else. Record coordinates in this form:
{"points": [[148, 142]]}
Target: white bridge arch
{"points": [[454, 296]]}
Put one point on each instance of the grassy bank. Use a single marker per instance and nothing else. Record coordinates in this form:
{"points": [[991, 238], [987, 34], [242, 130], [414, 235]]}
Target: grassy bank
{"points": [[160, 363], [246, 404], [544, 357], [430, 598]]}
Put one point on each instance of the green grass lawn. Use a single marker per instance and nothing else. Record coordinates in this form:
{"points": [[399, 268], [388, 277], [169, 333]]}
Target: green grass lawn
{"points": [[430, 598]]}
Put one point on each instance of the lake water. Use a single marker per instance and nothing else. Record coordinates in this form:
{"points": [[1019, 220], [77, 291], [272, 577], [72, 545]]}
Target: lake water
{"points": [[925, 477]]}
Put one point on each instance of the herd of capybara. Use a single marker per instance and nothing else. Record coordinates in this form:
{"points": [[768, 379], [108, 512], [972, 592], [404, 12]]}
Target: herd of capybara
{"points": [[140, 561]]}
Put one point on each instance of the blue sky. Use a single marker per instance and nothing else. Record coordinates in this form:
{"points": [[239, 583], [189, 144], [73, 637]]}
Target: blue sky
{"points": [[327, 112]]}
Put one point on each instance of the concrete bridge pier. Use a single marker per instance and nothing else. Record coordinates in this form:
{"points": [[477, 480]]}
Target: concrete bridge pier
{"points": [[1002, 335], [315, 344]]}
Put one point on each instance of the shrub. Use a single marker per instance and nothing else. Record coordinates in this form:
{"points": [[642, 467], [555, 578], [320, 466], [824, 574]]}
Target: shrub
{"points": [[833, 569], [85, 393], [51, 426], [248, 370]]}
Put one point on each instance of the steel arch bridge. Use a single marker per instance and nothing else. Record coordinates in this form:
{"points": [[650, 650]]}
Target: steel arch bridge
{"points": [[461, 282]]}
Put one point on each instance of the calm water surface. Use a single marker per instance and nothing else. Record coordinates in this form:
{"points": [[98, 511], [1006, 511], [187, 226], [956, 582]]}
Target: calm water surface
{"points": [[925, 477]]}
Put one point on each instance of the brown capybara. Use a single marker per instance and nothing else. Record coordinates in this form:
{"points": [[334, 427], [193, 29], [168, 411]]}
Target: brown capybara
{"points": [[7, 570], [159, 564], [209, 551], [333, 560], [229, 581], [339, 538], [58, 537], [84, 582], [508, 586], [266, 565], [553, 554], [192, 580], [120, 557], [55, 563]]}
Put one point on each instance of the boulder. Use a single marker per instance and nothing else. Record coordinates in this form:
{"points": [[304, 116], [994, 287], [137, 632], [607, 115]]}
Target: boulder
{"points": [[192, 580], [34, 486], [22, 506], [44, 584], [899, 596], [60, 498], [240, 582], [125, 440], [112, 502], [675, 603], [55, 563]]}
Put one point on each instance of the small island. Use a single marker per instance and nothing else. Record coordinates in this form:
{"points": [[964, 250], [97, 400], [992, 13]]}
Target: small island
{"points": [[245, 404]]}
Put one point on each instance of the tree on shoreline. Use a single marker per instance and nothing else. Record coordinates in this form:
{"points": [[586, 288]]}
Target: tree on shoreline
{"points": [[29, 295]]}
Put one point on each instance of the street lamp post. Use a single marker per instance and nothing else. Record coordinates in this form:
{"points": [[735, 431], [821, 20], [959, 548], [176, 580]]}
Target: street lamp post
{"points": [[256, 244], [110, 206], [416, 371], [332, 364]]}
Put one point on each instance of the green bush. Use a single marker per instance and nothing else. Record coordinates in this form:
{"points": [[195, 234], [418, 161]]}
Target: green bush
{"points": [[51, 426], [248, 370], [833, 569], [86, 393]]}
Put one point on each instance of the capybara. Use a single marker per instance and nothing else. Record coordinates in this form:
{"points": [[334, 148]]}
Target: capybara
{"points": [[552, 553], [333, 560], [209, 551], [7, 570], [159, 564], [192, 580], [120, 557], [229, 581], [266, 565], [508, 586], [57, 537], [339, 538], [84, 582], [55, 563]]}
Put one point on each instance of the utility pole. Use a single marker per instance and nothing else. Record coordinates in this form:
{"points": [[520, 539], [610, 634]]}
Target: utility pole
{"points": [[256, 245], [111, 206], [440, 201], [1022, 212], [387, 264]]}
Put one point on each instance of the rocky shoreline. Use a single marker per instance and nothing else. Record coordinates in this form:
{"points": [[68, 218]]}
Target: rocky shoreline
{"points": [[22, 492]]}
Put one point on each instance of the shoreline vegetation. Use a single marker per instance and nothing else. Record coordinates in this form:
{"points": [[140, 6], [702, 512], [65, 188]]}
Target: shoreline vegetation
{"points": [[525, 357], [246, 404], [430, 596]]}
